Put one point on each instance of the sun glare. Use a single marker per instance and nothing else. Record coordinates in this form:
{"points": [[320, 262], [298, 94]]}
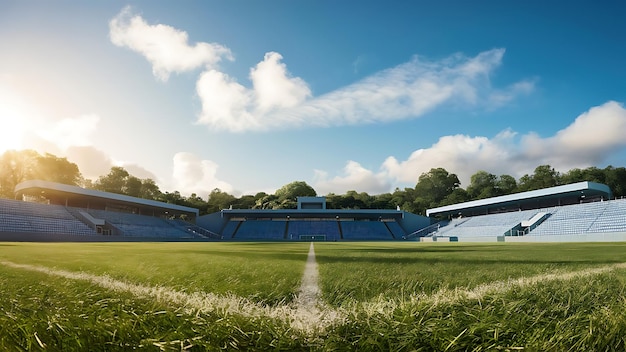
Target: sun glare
{"points": [[12, 126]]}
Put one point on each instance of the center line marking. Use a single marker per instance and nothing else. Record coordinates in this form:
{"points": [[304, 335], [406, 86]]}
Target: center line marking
{"points": [[309, 294]]}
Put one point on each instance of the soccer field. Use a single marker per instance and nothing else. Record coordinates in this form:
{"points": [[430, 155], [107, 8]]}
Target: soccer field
{"points": [[330, 296]]}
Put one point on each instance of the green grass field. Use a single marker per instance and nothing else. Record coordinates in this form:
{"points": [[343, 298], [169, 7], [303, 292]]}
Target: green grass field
{"points": [[375, 296]]}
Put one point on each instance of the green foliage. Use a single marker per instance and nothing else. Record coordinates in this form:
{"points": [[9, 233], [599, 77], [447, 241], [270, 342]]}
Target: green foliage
{"points": [[482, 185], [287, 195], [435, 188], [219, 200], [55, 169], [19, 166], [545, 176], [120, 181], [506, 184]]}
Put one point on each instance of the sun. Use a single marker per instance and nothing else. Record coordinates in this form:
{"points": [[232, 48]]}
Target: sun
{"points": [[13, 120]]}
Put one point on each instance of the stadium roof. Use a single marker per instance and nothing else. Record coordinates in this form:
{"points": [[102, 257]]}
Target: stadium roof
{"points": [[542, 198], [313, 213], [79, 197]]}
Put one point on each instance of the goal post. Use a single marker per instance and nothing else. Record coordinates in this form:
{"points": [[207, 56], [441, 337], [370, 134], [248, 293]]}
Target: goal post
{"points": [[312, 237]]}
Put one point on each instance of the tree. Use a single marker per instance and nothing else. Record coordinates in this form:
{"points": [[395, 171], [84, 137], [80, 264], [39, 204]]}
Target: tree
{"points": [[482, 185], [433, 187], [119, 181], [195, 201], [19, 166], [149, 189], [459, 195], [544, 176], [15, 167], [616, 180], [172, 198], [113, 182], [52, 168], [268, 201], [133, 186], [288, 194], [383, 201], [245, 202], [405, 199], [591, 174], [219, 200], [506, 184]]}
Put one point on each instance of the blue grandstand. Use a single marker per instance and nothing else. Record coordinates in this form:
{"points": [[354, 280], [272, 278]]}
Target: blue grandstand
{"points": [[312, 221], [578, 212]]}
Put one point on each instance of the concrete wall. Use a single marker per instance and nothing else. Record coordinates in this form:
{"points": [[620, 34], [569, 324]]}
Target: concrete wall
{"points": [[214, 222], [412, 222]]}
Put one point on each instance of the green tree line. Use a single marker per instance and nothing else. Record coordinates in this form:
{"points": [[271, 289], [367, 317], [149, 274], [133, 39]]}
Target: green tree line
{"points": [[434, 188]]}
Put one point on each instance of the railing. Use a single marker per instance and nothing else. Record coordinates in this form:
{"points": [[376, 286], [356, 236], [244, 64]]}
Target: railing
{"points": [[427, 231]]}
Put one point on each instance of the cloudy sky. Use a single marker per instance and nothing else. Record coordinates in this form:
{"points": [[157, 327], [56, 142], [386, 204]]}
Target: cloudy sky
{"points": [[247, 96]]}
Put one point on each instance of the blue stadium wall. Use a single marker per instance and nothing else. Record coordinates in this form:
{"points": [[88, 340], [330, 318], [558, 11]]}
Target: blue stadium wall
{"points": [[216, 222]]}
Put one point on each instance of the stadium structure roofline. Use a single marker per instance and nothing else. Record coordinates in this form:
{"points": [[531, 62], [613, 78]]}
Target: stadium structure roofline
{"points": [[559, 195], [67, 192], [295, 213]]}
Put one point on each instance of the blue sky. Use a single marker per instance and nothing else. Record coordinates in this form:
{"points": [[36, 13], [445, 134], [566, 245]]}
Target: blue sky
{"points": [[247, 96]]}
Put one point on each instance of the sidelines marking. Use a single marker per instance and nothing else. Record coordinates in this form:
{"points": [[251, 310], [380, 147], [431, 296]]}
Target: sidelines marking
{"points": [[447, 296], [478, 292], [308, 313]]}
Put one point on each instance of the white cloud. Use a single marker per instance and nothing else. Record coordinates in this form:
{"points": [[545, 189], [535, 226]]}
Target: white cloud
{"points": [[229, 105], [499, 98], [138, 171], [224, 102], [462, 155], [273, 87], [91, 162], [194, 175], [165, 47], [68, 132], [278, 100], [355, 177], [406, 91], [72, 138], [592, 138]]}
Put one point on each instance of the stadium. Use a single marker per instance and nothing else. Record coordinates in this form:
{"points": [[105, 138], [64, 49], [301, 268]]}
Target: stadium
{"points": [[48, 211]]}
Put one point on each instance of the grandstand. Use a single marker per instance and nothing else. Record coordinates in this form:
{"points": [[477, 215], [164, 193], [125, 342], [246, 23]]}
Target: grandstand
{"points": [[313, 221], [58, 212], [578, 212], [18, 216]]}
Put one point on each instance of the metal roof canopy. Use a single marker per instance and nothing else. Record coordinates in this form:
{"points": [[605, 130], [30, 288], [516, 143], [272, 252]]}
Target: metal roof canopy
{"points": [[294, 214], [58, 193], [548, 197]]}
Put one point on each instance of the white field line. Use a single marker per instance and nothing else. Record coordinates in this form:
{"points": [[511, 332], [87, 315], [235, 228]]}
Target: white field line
{"points": [[309, 294], [309, 306], [308, 313], [448, 296]]}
